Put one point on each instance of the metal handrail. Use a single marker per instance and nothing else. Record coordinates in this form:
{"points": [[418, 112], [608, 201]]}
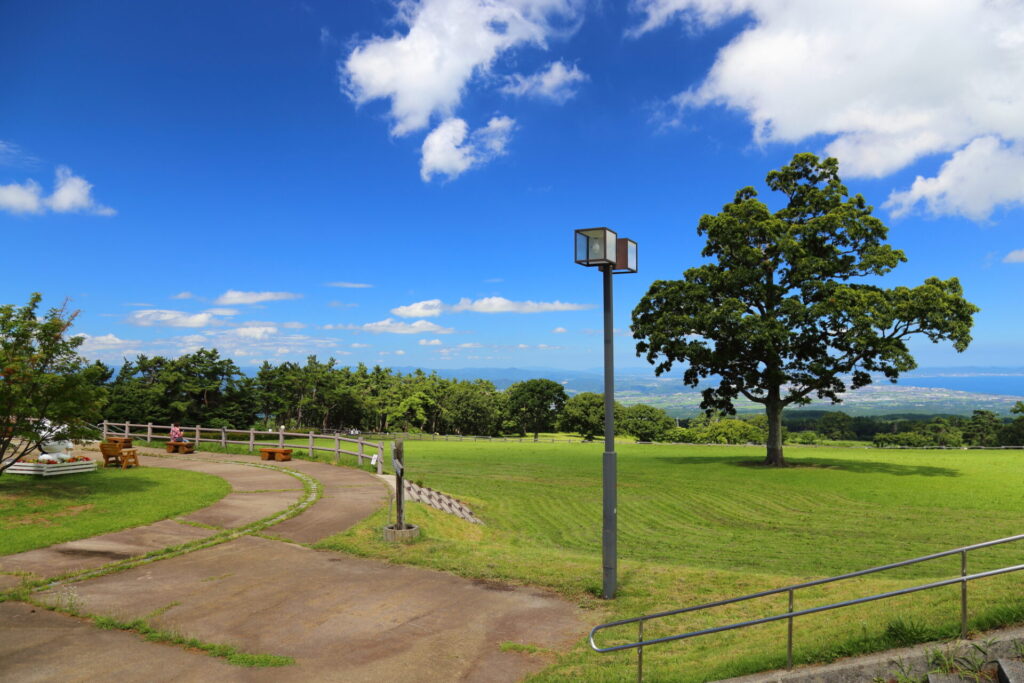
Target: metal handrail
{"points": [[790, 614]]}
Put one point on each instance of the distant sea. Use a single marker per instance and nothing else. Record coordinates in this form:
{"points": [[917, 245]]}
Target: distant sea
{"points": [[1006, 385]]}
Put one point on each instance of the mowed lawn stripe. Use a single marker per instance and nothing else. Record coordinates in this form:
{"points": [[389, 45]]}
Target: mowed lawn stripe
{"points": [[699, 523]]}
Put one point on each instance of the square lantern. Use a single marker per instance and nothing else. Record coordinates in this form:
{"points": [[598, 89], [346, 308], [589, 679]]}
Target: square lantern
{"points": [[625, 256], [596, 247]]}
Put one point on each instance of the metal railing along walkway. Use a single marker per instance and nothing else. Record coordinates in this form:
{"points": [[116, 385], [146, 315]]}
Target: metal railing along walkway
{"points": [[790, 614]]}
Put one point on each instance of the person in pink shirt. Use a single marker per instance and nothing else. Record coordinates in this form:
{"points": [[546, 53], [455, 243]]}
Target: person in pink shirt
{"points": [[176, 434]]}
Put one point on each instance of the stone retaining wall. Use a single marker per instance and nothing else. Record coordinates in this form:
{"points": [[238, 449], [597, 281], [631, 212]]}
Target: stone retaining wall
{"points": [[439, 501]]}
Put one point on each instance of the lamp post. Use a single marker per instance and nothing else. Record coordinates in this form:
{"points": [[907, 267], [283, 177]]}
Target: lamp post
{"points": [[601, 247]]}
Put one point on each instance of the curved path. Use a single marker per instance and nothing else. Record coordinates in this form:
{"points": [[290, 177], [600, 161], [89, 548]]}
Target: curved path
{"points": [[341, 618]]}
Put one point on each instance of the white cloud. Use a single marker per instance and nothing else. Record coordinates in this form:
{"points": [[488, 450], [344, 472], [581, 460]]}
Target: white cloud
{"points": [[432, 308], [430, 342], [425, 71], [222, 311], [71, 194], [399, 352], [154, 317], [349, 285], [13, 155], [556, 83], [233, 297], [24, 198], [559, 330], [257, 332], [983, 175], [471, 345], [104, 342], [293, 325], [886, 83], [359, 346], [396, 327], [184, 295], [1015, 256], [74, 194], [450, 150]]}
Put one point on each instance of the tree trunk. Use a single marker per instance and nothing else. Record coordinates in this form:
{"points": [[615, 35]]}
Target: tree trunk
{"points": [[774, 410]]}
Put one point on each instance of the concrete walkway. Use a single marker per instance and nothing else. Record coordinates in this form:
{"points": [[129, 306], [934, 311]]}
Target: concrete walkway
{"points": [[340, 617]]}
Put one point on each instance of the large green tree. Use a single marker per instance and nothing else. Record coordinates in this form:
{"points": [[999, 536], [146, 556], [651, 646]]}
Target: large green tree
{"points": [[788, 308], [42, 377], [583, 414], [534, 405]]}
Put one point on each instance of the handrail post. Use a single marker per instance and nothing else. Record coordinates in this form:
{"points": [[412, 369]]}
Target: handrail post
{"points": [[789, 637], [360, 456], [337, 449], [310, 444], [252, 439], [640, 654], [280, 436], [963, 596]]}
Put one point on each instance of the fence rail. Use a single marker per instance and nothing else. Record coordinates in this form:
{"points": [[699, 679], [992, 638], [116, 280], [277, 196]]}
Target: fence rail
{"points": [[791, 613], [360, 448]]}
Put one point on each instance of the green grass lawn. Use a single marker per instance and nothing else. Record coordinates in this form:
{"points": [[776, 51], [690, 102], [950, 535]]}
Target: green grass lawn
{"points": [[699, 523], [39, 511]]}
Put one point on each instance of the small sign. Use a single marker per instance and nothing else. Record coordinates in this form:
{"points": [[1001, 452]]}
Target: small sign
{"points": [[397, 465]]}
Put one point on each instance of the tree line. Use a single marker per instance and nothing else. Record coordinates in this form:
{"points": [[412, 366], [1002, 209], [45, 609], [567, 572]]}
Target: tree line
{"points": [[204, 388]]}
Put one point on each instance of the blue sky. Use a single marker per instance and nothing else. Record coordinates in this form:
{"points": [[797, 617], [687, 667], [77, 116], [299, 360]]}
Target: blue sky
{"points": [[398, 183]]}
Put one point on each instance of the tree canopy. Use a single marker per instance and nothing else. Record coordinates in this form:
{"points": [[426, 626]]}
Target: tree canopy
{"points": [[43, 380], [788, 307], [534, 405]]}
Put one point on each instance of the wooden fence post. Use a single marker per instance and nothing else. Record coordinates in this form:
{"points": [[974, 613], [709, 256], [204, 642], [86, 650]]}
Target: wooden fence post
{"points": [[280, 436], [310, 445], [337, 449], [127, 429], [104, 430], [198, 436], [224, 439], [380, 458], [360, 456], [252, 438], [149, 432]]}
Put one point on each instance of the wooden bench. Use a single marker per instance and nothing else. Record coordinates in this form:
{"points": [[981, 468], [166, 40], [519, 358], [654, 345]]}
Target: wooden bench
{"points": [[180, 447], [114, 454], [275, 454]]}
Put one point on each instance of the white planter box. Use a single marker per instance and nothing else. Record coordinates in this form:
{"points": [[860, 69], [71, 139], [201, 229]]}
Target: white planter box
{"points": [[48, 470]]}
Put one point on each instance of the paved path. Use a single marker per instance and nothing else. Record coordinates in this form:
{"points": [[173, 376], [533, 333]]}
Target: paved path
{"points": [[340, 617]]}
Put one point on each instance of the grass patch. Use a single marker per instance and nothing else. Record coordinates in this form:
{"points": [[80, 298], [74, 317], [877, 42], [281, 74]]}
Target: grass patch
{"points": [[39, 511], [227, 652], [697, 524]]}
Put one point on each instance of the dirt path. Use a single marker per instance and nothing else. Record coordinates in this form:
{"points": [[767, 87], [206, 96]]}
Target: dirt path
{"points": [[339, 617]]}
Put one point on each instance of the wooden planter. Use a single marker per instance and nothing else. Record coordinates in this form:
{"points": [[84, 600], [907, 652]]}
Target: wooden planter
{"points": [[52, 470]]}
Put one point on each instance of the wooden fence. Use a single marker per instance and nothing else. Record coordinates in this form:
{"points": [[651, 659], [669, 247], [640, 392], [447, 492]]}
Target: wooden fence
{"points": [[254, 438]]}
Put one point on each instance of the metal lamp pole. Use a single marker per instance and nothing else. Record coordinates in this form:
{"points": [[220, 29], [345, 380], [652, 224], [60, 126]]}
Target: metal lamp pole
{"points": [[602, 247], [609, 465]]}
